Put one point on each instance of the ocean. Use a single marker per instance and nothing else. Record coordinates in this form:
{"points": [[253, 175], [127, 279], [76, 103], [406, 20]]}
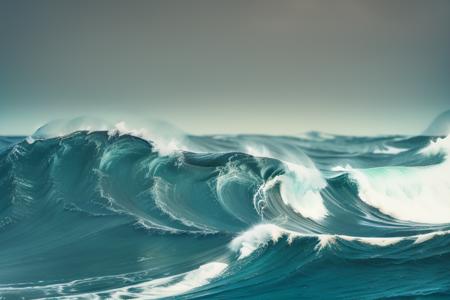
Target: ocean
{"points": [[101, 214]]}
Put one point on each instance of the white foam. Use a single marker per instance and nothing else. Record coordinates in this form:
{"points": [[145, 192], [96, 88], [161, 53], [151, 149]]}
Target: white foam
{"points": [[258, 236], [325, 240], [388, 241], [345, 168], [158, 288], [163, 144], [302, 197], [173, 285], [440, 146], [428, 236], [374, 241], [389, 150], [418, 194], [300, 189], [300, 186], [30, 140]]}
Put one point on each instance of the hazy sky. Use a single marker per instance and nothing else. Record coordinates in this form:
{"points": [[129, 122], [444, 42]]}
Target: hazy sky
{"points": [[352, 67]]}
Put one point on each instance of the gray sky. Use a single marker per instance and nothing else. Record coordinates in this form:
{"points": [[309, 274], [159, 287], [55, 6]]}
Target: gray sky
{"points": [[351, 67]]}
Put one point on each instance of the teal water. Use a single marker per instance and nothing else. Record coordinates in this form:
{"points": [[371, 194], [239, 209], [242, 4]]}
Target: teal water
{"points": [[106, 215]]}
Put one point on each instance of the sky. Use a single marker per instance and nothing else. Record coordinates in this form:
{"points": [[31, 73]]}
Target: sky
{"points": [[235, 66]]}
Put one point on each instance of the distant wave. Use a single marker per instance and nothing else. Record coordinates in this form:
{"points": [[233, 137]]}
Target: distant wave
{"points": [[111, 211]]}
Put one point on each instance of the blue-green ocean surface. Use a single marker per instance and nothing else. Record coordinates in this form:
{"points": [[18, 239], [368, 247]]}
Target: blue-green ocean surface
{"points": [[103, 214]]}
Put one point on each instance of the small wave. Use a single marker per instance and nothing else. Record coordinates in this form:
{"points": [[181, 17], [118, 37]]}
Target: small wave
{"points": [[260, 235], [168, 286], [257, 237]]}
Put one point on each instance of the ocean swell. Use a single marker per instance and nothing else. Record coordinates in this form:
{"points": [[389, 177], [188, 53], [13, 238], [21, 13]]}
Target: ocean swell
{"points": [[117, 213]]}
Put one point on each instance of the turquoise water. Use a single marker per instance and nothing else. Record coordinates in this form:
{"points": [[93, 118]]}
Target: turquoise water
{"points": [[109, 215]]}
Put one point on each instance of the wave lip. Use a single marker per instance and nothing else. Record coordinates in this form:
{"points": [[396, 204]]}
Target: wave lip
{"points": [[440, 125]]}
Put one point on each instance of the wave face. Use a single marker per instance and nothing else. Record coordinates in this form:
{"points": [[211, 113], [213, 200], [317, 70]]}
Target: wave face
{"points": [[102, 214]]}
